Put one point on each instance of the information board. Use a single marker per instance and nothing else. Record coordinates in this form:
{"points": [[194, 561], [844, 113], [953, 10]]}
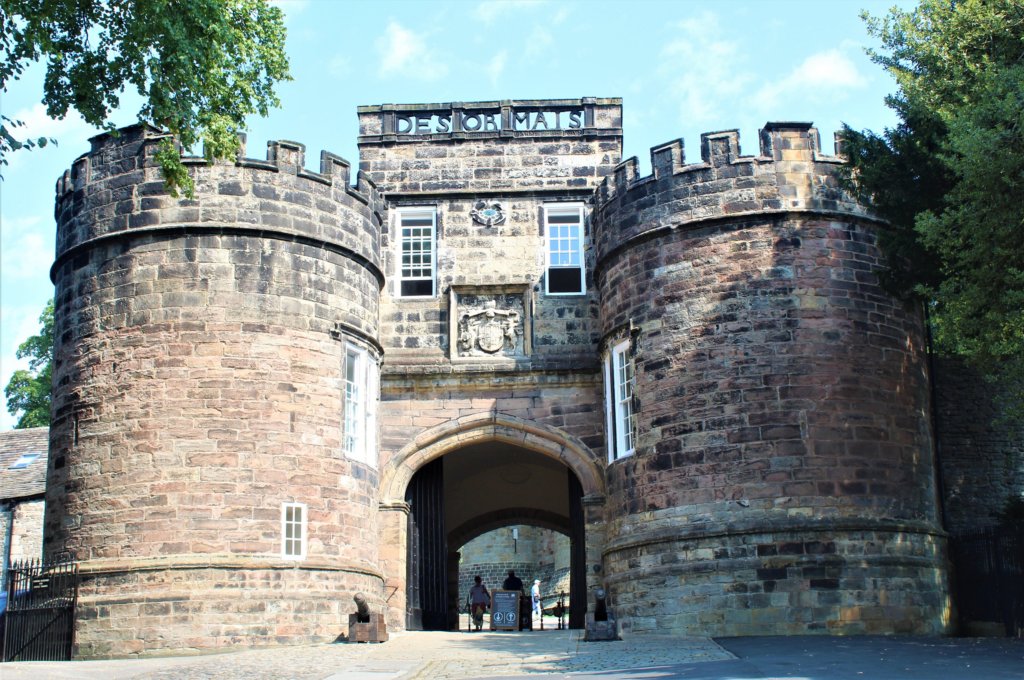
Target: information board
{"points": [[504, 610]]}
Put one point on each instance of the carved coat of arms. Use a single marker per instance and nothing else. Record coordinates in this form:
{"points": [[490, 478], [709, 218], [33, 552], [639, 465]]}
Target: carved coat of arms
{"points": [[488, 213], [488, 329]]}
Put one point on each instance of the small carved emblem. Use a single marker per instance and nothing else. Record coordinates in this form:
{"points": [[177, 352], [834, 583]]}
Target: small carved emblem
{"points": [[488, 329], [488, 213]]}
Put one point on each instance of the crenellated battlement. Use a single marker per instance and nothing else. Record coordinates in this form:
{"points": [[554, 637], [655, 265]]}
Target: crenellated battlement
{"points": [[721, 149], [790, 173], [137, 145], [117, 187]]}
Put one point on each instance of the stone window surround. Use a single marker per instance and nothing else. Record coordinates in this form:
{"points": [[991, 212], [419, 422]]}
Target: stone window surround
{"points": [[620, 413], [359, 414], [293, 547], [563, 209], [400, 214]]}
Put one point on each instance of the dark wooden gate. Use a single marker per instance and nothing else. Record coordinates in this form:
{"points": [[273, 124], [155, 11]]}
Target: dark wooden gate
{"points": [[989, 577], [39, 621], [577, 555], [413, 608], [425, 496]]}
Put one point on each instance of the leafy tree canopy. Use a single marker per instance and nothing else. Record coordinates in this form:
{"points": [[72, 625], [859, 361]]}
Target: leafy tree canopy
{"points": [[950, 177], [201, 66], [28, 392]]}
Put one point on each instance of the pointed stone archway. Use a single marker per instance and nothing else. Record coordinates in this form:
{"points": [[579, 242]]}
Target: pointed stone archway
{"points": [[480, 429], [488, 426]]}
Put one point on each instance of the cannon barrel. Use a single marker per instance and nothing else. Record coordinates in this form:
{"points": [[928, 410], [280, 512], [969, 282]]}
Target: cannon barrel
{"points": [[362, 608]]}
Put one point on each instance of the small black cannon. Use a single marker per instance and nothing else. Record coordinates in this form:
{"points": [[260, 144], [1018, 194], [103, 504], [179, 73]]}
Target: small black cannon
{"points": [[362, 609], [364, 625], [601, 623], [560, 610], [600, 605]]}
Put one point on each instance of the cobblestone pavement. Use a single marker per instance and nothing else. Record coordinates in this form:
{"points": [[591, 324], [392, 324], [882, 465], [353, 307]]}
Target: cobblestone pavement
{"points": [[406, 656], [454, 656]]}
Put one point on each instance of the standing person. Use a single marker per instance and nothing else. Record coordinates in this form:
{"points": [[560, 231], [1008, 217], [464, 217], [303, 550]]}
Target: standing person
{"points": [[513, 582], [535, 594], [479, 601]]}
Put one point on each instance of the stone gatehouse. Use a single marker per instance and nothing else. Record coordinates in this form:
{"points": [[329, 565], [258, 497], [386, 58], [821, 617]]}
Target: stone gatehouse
{"points": [[294, 386]]}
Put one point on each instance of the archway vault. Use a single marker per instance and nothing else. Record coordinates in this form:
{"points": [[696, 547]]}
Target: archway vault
{"points": [[489, 426], [479, 526]]}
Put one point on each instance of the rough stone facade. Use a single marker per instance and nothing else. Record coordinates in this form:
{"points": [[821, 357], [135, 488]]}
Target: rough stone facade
{"points": [[781, 479], [26, 530], [192, 400], [767, 358], [23, 455]]}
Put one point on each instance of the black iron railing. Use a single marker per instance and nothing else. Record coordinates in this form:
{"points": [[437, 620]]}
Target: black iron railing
{"points": [[989, 568], [39, 619]]}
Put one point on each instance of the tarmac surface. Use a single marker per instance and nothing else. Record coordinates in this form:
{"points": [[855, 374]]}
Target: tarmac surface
{"points": [[554, 653]]}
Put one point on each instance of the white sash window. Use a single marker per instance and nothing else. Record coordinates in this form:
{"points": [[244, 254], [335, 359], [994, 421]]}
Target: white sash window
{"points": [[563, 228], [417, 252], [359, 426], [619, 380]]}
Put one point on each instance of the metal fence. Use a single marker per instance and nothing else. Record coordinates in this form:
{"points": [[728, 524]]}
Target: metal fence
{"points": [[39, 620], [989, 568]]}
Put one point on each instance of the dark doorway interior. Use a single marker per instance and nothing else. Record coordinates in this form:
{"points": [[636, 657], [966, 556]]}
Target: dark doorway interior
{"points": [[577, 555]]}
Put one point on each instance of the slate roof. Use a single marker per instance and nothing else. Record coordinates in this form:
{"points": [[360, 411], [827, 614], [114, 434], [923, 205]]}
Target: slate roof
{"points": [[31, 480]]}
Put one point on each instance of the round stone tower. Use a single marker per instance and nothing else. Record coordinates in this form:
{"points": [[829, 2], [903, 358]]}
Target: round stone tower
{"points": [[204, 347], [782, 479]]}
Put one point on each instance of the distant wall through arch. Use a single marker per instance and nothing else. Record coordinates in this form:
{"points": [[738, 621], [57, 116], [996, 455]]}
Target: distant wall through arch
{"points": [[533, 552]]}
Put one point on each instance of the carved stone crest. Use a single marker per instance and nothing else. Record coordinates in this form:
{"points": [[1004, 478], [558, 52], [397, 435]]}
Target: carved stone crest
{"points": [[489, 329], [490, 322], [488, 213]]}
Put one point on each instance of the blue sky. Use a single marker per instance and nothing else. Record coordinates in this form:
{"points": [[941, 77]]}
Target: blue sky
{"points": [[682, 68]]}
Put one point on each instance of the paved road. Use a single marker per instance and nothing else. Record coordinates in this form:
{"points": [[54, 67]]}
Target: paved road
{"points": [[459, 656], [862, 658]]}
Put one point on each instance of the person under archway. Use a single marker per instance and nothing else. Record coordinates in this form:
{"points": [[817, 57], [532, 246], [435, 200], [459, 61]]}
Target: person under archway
{"points": [[479, 601], [513, 582], [538, 610]]}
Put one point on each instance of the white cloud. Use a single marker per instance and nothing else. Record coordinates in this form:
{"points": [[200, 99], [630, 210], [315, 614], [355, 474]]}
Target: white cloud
{"points": [[340, 66], [26, 253], [405, 52], [822, 76], [37, 123], [537, 42], [24, 250], [561, 15], [497, 66], [23, 322], [703, 71], [493, 10]]}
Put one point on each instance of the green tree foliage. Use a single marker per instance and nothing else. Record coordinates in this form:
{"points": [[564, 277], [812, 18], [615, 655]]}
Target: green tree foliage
{"points": [[201, 66], [950, 177], [28, 392]]}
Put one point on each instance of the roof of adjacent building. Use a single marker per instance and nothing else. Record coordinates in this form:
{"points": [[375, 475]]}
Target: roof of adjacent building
{"points": [[28, 476]]}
